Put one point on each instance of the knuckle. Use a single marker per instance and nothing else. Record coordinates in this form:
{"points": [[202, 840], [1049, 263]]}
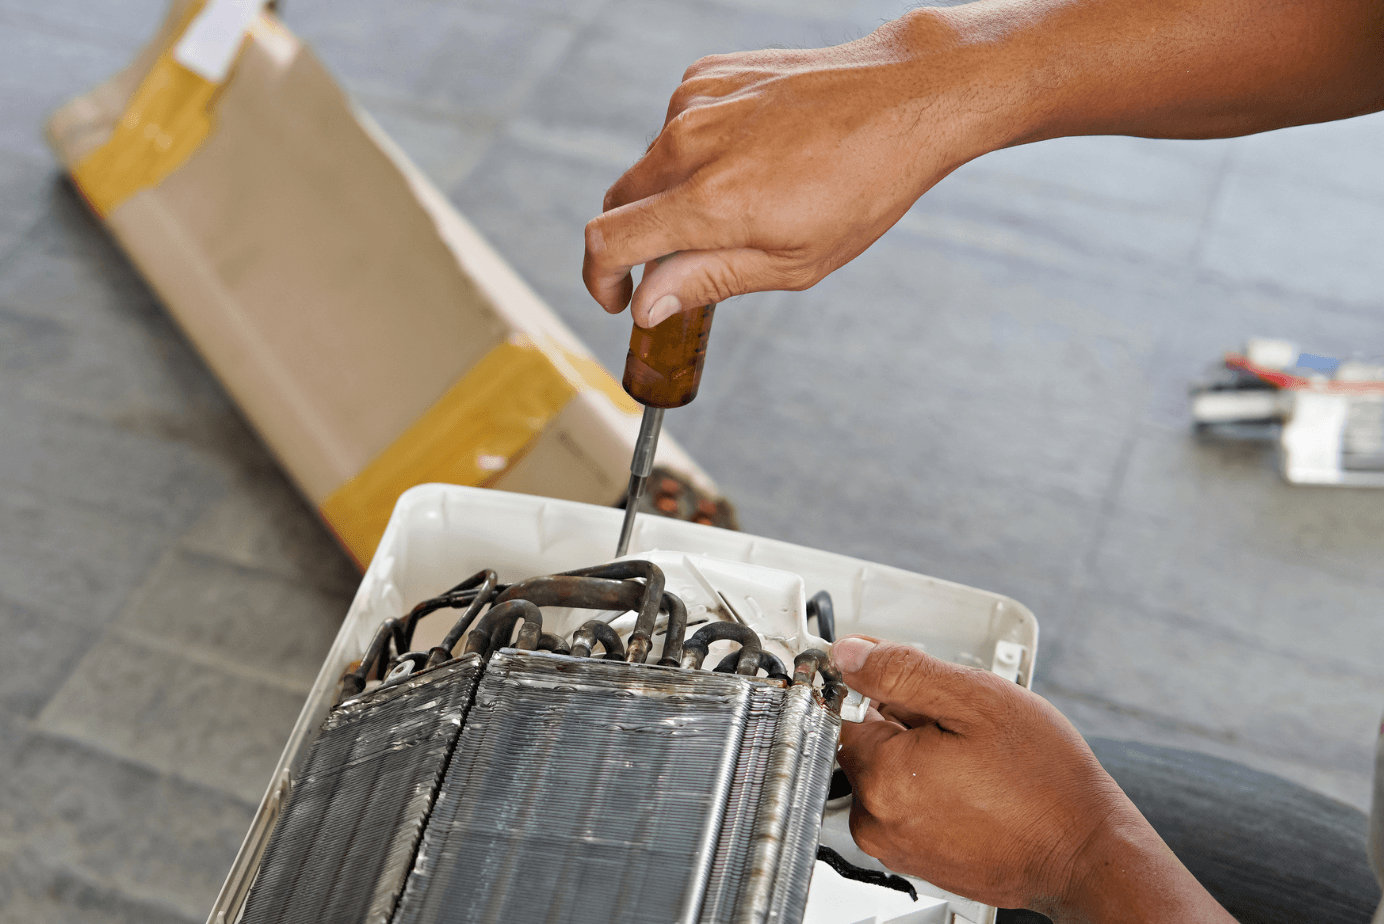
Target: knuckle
{"points": [[671, 144], [700, 66], [679, 136], [682, 97], [594, 236]]}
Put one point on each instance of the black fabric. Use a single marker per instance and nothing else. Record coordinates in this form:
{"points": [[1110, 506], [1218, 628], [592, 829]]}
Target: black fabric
{"points": [[1269, 850], [848, 870]]}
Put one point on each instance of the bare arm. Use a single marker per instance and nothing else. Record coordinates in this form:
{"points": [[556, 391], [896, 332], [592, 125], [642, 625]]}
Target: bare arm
{"points": [[1184, 69], [774, 168], [983, 788]]}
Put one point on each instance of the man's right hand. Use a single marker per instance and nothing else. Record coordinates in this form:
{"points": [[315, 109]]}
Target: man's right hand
{"points": [[775, 168], [981, 787]]}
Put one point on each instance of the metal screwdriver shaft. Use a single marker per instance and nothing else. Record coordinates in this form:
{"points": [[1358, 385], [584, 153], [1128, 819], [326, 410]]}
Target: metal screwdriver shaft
{"points": [[641, 464], [663, 369]]}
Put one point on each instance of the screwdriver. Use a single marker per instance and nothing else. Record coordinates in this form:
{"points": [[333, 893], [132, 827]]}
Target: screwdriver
{"points": [[662, 369]]}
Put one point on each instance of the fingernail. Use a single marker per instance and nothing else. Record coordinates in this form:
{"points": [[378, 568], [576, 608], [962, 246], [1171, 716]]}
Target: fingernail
{"points": [[850, 653], [663, 309]]}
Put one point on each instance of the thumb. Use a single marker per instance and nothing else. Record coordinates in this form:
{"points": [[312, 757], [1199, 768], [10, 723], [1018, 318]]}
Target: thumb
{"points": [[690, 279], [860, 741], [908, 678]]}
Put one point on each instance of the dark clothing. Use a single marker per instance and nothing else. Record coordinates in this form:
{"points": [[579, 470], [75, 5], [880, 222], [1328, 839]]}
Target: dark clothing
{"points": [[1269, 850]]}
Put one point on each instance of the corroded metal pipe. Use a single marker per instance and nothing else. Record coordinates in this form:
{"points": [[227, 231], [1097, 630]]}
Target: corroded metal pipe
{"points": [[496, 626], [593, 631], [462, 594], [641, 639], [815, 661], [768, 663], [554, 643], [488, 582], [676, 632], [695, 651], [577, 592], [614, 586], [378, 651]]}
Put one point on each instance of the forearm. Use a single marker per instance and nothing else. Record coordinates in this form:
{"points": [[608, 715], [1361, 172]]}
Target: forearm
{"points": [[1026, 70], [1129, 875]]}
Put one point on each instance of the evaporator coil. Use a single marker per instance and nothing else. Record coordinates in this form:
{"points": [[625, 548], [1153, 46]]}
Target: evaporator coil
{"points": [[527, 780]]}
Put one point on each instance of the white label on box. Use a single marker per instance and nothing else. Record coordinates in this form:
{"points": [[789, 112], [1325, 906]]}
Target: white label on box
{"points": [[209, 46]]}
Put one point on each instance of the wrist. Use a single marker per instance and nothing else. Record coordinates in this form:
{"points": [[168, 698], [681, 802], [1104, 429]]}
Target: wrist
{"points": [[968, 93], [1124, 872], [1117, 851]]}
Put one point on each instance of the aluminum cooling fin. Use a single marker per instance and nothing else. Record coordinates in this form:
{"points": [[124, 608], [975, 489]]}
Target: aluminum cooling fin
{"points": [[345, 842], [596, 791]]}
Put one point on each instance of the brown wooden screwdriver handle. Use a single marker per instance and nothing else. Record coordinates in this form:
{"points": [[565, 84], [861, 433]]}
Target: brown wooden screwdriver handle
{"points": [[664, 365]]}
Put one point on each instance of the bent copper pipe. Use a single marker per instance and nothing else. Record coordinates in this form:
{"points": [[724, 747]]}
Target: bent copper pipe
{"points": [[378, 651], [550, 642], [611, 587], [461, 595], [496, 626], [815, 661], [583, 593], [676, 631], [695, 651], [641, 639], [593, 631], [768, 662], [488, 585]]}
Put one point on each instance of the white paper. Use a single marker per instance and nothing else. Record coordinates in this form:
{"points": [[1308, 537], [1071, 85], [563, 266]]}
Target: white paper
{"points": [[209, 46]]}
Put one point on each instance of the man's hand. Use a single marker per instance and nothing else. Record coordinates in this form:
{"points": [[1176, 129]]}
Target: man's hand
{"points": [[776, 167], [981, 787]]}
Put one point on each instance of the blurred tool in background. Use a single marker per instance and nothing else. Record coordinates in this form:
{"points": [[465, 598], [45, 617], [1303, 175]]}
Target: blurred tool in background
{"points": [[1327, 414]]}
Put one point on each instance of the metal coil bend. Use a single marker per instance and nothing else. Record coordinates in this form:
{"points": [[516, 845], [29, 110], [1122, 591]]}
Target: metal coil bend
{"points": [[768, 663], [695, 651], [496, 626], [594, 631]]}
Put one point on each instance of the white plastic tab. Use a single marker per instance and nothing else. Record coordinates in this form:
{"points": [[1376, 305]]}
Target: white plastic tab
{"points": [[854, 707], [1009, 656]]}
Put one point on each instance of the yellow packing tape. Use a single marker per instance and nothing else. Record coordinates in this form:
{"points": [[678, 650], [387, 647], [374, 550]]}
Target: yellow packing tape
{"points": [[475, 432], [167, 119], [594, 376]]}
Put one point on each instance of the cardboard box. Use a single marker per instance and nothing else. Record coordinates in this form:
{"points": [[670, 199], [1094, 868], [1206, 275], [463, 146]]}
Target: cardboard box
{"points": [[368, 332]]}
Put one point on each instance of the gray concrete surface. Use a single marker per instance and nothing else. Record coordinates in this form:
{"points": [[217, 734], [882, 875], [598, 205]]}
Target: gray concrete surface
{"points": [[995, 394]]}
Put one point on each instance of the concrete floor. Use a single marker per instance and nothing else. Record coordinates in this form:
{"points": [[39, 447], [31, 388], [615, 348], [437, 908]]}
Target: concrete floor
{"points": [[995, 394]]}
